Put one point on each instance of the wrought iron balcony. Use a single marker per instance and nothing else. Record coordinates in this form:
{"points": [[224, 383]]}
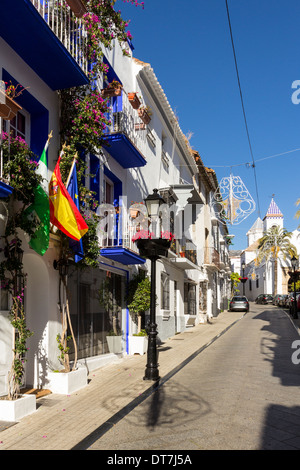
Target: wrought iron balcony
{"points": [[126, 136], [49, 38], [115, 240]]}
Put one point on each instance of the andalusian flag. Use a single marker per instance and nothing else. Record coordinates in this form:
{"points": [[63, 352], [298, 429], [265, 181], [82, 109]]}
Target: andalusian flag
{"points": [[63, 211], [40, 209]]}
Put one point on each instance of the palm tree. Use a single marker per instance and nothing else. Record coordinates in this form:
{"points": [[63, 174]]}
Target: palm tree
{"points": [[275, 244]]}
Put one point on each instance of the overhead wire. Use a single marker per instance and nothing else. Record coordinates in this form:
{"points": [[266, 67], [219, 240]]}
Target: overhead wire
{"points": [[243, 107]]}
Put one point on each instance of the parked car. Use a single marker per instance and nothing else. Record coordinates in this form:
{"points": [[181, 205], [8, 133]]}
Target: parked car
{"points": [[298, 303], [290, 300], [264, 299], [238, 303], [282, 300], [276, 299]]}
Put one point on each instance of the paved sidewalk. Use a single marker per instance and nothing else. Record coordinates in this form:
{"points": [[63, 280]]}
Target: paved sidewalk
{"points": [[63, 422]]}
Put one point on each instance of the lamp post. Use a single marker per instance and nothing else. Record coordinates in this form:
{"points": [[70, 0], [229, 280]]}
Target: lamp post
{"points": [[243, 281], [152, 251], [294, 263]]}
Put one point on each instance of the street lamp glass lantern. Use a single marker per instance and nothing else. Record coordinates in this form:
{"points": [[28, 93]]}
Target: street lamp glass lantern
{"points": [[153, 202], [294, 262], [243, 265]]}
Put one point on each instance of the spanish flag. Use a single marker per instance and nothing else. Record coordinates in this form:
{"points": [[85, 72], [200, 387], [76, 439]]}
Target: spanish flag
{"points": [[63, 211]]}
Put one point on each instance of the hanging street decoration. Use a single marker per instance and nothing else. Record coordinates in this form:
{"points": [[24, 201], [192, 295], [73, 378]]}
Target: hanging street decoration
{"points": [[232, 202]]}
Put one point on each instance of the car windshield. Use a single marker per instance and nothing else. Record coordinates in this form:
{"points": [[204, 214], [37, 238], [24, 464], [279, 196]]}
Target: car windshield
{"points": [[239, 299]]}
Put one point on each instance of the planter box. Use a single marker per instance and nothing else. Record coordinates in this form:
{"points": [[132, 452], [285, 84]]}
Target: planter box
{"points": [[141, 126], [134, 100], [143, 114], [114, 344], [78, 7], [138, 344], [66, 383], [109, 92], [15, 410], [8, 107]]}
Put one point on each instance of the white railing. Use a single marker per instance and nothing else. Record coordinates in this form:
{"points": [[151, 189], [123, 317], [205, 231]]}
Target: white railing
{"points": [[128, 122], [118, 233], [64, 24]]}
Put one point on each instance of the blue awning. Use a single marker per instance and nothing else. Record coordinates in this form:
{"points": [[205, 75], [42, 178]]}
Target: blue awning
{"points": [[5, 189], [120, 147], [28, 34], [122, 255]]}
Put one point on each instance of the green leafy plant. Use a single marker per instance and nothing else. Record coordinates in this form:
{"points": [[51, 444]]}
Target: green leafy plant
{"points": [[19, 165], [235, 280], [141, 333], [139, 291]]}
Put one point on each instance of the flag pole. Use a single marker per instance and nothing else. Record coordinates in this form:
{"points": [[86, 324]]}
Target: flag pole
{"points": [[71, 170]]}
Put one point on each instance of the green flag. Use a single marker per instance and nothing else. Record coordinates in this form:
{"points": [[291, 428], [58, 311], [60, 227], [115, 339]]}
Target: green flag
{"points": [[40, 208]]}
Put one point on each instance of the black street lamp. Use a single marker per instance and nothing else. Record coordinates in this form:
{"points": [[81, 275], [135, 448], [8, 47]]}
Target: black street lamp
{"points": [[294, 263], [153, 249], [243, 280]]}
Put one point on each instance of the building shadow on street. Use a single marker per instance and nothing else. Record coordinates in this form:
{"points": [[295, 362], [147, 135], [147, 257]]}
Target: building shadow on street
{"points": [[282, 423]]}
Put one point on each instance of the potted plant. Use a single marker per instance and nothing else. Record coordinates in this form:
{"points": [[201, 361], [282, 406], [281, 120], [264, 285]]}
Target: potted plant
{"points": [[106, 300], [138, 343], [145, 114], [139, 290], [134, 100], [114, 341], [8, 105], [78, 7], [113, 89]]}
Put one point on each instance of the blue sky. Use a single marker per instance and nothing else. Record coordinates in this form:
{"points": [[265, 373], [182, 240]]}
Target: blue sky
{"points": [[188, 45]]}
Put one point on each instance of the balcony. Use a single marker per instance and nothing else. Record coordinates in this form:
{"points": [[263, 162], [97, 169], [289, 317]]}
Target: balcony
{"points": [[186, 258], [125, 137], [212, 259], [118, 245], [49, 38]]}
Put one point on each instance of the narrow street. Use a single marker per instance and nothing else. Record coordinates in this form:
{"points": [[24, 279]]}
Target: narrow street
{"points": [[242, 392]]}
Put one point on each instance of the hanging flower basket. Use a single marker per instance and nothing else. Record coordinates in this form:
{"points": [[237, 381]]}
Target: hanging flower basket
{"points": [[8, 107], [134, 100], [78, 7], [153, 247], [144, 115], [149, 246]]}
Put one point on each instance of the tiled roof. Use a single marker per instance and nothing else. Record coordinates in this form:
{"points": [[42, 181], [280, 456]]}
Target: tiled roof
{"points": [[273, 210]]}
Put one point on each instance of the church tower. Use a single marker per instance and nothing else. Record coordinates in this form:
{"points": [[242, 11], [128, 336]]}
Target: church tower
{"points": [[273, 216]]}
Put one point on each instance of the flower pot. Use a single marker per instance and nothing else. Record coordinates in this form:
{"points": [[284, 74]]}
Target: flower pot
{"points": [[66, 383], [114, 344], [143, 114], [15, 410], [78, 7], [8, 107], [110, 92], [138, 344], [133, 213], [134, 100]]}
